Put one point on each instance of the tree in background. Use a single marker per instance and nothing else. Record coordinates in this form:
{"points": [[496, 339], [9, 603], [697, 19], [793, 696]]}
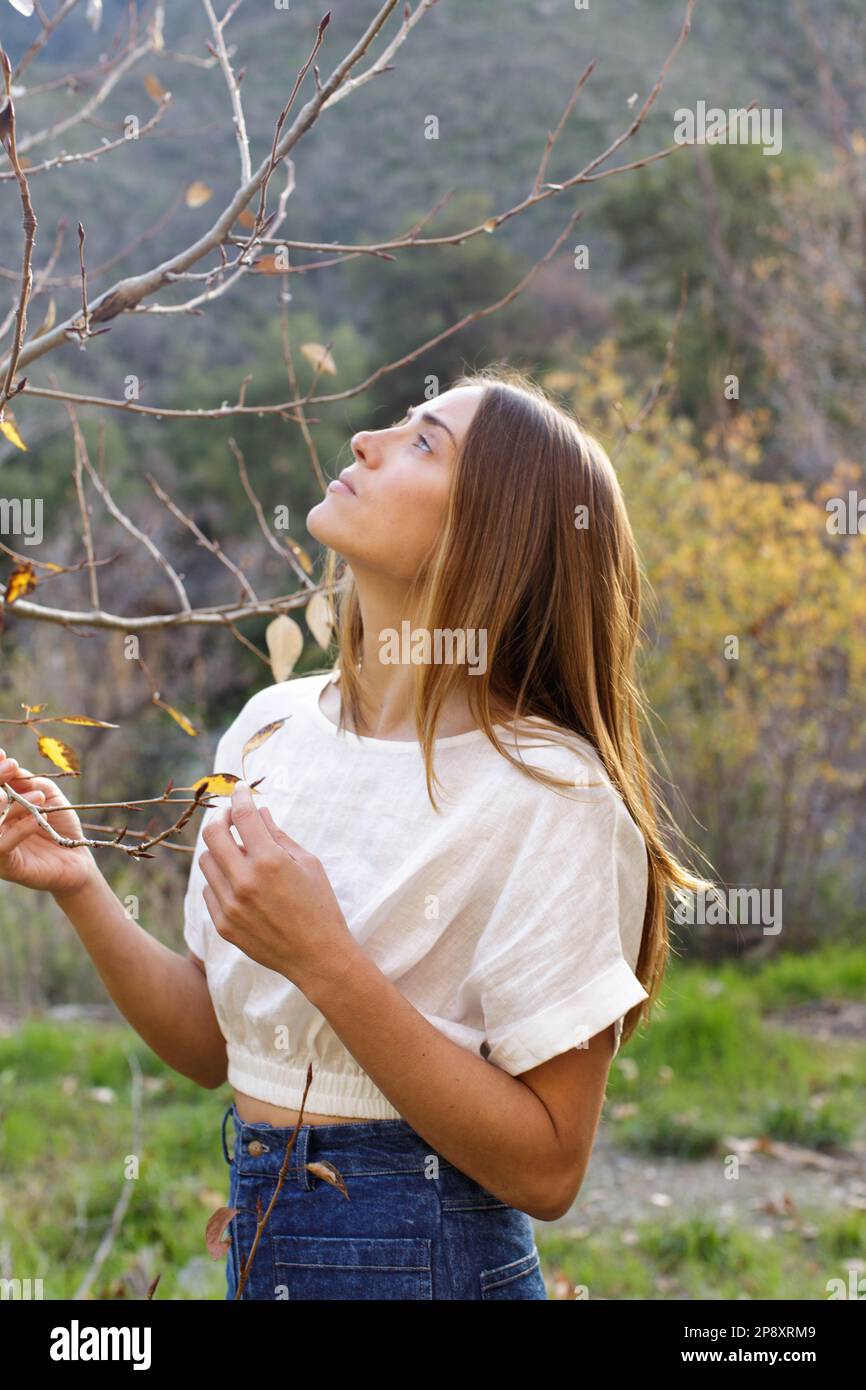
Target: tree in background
{"points": [[756, 651], [243, 238]]}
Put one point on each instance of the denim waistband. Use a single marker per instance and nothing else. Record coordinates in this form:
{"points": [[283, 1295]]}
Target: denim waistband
{"points": [[368, 1146]]}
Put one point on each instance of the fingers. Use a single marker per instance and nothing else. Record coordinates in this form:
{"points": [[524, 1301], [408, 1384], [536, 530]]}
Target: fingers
{"points": [[278, 834], [12, 832], [11, 772], [26, 781], [18, 812], [44, 784], [8, 767], [216, 879]]}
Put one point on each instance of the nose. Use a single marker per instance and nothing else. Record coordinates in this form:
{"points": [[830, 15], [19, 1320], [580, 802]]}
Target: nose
{"points": [[358, 445]]}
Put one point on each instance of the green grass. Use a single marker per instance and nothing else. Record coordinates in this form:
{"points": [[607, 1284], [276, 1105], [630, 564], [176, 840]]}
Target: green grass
{"points": [[703, 1258], [710, 1065], [63, 1155]]}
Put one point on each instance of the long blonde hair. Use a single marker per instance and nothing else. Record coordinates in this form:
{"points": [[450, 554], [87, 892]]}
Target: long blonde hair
{"points": [[561, 607]]}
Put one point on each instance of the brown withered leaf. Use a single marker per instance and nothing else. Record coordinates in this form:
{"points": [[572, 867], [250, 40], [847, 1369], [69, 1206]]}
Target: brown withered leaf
{"points": [[7, 119], [154, 87], [176, 714], [328, 1173], [213, 1235], [21, 581], [267, 265], [263, 735], [246, 218], [59, 753], [151, 1288], [320, 357]]}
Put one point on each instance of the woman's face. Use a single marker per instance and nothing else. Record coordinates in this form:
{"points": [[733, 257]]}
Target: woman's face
{"points": [[400, 480]]}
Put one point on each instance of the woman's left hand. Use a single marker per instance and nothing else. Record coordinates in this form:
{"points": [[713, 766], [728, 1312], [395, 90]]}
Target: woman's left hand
{"points": [[271, 898]]}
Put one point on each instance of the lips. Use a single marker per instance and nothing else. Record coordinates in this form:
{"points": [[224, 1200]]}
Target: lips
{"points": [[347, 482]]}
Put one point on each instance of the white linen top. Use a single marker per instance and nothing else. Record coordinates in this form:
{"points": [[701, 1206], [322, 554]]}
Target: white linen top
{"points": [[512, 919]]}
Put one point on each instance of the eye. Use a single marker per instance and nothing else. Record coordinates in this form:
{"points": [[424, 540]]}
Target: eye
{"points": [[423, 437]]}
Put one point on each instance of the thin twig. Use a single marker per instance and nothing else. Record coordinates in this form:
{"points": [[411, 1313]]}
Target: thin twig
{"points": [[103, 1250]]}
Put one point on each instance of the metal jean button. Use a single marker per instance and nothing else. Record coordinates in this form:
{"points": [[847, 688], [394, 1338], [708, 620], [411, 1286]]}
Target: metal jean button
{"points": [[256, 1147]]}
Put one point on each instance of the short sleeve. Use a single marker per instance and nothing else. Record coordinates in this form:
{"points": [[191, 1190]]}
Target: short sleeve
{"points": [[555, 963]]}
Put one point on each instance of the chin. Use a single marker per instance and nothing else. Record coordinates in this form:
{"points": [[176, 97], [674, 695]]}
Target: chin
{"points": [[326, 529], [318, 523]]}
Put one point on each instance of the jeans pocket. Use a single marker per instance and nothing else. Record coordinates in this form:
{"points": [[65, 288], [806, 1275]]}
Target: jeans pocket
{"points": [[474, 1201], [518, 1279], [353, 1267]]}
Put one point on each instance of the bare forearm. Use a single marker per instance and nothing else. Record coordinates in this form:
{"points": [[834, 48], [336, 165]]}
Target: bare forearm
{"points": [[162, 994], [487, 1123]]}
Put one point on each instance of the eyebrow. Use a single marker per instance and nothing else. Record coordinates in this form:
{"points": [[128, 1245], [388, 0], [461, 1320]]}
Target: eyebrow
{"points": [[433, 420]]}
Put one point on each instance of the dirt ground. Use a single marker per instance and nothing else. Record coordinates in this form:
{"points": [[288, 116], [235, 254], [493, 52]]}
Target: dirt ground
{"points": [[774, 1181]]}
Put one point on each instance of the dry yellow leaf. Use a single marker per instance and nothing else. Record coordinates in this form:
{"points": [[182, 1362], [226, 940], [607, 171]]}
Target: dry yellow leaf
{"points": [[300, 554], [320, 620], [10, 430], [59, 753], [197, 194], [217, 784], [21, 581], [181, 718], [262, 736], [320, 357], [285, 644], [78, 719]]}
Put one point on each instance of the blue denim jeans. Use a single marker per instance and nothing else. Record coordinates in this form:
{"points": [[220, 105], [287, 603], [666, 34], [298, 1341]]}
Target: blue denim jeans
{"points": [[413, 1226]]}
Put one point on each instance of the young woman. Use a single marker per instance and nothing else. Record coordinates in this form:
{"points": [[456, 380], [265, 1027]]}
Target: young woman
{"points": [[447, 895]]}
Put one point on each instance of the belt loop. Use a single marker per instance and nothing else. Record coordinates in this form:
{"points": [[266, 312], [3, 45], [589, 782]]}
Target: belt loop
{"points": [[228, 1156], [300, 1157]]}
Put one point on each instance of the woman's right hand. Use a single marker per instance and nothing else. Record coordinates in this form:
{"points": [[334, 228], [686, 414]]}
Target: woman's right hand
{"points": [[28, 855]]}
